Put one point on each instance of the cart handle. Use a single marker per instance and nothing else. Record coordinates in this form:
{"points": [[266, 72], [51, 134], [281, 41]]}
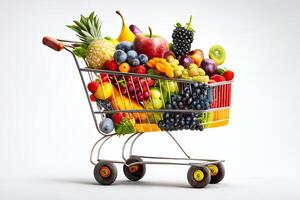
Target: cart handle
{"points": [[53, 43]]}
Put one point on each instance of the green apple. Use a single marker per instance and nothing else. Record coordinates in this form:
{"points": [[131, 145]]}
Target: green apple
{"points": [[155, 93]]}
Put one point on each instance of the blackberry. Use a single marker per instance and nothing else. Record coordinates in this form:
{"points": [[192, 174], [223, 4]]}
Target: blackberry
{"points": [[182, 38]]}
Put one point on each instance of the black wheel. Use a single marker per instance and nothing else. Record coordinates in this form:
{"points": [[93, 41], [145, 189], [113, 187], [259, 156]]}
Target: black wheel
{"points": [[134, 172], [198, 176], [217, 172], [105, 172]]}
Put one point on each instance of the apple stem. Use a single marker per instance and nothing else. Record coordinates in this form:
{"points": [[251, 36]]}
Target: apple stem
{"points": [[150, 31], [190, 23], [119, 13]]}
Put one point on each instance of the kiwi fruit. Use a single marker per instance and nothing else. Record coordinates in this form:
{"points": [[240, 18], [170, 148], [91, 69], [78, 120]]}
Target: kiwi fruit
{"points": [[218, 54]]}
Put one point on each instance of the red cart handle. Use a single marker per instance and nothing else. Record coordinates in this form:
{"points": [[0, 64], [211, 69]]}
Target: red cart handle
{"points": [[53, 43]]}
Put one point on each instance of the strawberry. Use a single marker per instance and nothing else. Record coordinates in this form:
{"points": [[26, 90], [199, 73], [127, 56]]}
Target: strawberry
{"points": [[111, 65], [229, 75], [92, 86], [140, 69], [117, 117], [218, 78]]}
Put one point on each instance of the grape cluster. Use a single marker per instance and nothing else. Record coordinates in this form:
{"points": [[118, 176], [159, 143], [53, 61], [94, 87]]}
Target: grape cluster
{"points": [[173, 121], [104, 104], [137, 88], [193, 96]]}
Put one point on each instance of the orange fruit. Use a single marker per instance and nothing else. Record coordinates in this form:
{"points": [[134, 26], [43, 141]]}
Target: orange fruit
{"points": [[124, 67]]}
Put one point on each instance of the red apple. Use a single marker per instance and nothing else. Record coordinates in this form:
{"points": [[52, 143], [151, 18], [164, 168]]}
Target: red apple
{"points": [[151, 45], [197, 56]]}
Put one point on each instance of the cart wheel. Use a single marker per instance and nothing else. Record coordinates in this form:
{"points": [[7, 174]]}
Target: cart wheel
{"points": [[105, 172], [198, 176], [217, 173], [134, 172]]}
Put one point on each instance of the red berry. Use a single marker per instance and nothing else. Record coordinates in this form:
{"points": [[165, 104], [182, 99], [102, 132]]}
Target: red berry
{"points": [[140, 69], [92, 86], [92, 97], [117, 117], [229, 75], [111, 65]]}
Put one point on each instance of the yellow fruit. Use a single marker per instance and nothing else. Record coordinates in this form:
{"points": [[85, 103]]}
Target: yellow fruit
{"points": [[98, 52], [124, 67], [98, 49], [140, 128], [125, 34], [103, 91]]}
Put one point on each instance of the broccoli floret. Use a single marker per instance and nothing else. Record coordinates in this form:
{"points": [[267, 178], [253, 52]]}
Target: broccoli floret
{"points": [[126, 126]]}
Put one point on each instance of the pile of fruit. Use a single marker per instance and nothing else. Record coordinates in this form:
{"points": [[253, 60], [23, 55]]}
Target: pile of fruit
{"points": [[136, 52]]}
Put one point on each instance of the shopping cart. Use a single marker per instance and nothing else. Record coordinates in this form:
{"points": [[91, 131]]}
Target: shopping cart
{"points": [[201, 171]]}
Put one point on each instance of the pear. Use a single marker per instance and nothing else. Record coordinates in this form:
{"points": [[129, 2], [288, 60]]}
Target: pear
{"points": [[125, 34]]}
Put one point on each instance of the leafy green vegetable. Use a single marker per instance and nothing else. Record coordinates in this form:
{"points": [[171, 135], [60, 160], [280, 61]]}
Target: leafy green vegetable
{"points": [[80, 51], [126, 126]]}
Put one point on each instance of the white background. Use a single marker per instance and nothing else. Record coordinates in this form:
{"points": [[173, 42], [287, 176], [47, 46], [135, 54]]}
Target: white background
{"points": [[46, 129]]}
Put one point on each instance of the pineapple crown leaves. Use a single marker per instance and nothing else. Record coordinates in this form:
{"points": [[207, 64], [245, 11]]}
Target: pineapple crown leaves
{"points": [[188, 27], [87, 28]]}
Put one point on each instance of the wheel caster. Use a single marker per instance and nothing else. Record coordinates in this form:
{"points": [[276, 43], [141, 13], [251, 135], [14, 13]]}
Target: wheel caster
{"points": [[217, 172], [198, 176], [105, 172], [134, 172]]}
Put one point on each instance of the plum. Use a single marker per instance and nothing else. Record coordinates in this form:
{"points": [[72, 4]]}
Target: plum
{"points": [[106, 125]]}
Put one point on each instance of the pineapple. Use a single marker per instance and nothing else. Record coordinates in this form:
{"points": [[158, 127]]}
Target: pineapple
{"points": [[96, 49]]}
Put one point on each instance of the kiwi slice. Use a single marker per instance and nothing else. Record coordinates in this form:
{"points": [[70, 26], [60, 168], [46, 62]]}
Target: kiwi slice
{"points": [[218, 54]]}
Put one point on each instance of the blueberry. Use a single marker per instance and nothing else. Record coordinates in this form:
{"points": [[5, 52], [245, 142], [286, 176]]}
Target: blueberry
{"points": [[182, 122], [194, 103], [198, 106], [132, 54], [188, 119], [125, 46], [166, 115], [195, 85], [174, 104], [120, 56], [133, 62], [172, 120], [143, 58]]}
